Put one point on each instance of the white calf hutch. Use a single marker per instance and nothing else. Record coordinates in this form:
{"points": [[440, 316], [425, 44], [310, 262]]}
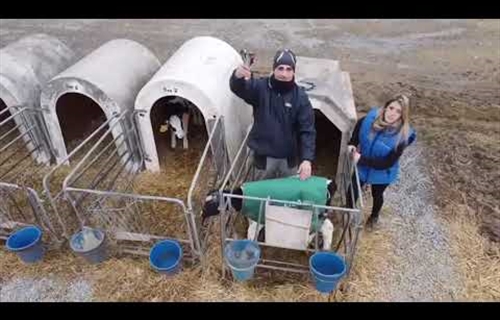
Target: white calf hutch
{"points": [[100, 86], [25, 67]]}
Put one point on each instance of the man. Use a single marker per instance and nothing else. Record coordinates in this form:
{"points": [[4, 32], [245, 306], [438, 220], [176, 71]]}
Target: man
{"points": [[283, 134]]}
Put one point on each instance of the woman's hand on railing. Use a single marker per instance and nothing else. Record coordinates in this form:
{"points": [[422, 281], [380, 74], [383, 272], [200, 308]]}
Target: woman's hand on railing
{"points": [[355, 156]]}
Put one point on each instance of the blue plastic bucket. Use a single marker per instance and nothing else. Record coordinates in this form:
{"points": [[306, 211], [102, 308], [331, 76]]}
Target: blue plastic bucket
{"points": [[165, 257], [27, 244], [242, 257], [89, 243], [327, 269]]}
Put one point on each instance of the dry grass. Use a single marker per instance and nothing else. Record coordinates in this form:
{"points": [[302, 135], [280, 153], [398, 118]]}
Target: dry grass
{"points": [[132, 279], [478, 259], [375, 254]]}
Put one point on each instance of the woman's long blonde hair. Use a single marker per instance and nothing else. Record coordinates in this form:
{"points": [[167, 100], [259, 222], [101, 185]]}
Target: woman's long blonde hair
{"points": [[403, 124]]}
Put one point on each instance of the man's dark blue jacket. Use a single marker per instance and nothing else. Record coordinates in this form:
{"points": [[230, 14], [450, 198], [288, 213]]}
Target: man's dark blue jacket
{"points": [[283, 123]]}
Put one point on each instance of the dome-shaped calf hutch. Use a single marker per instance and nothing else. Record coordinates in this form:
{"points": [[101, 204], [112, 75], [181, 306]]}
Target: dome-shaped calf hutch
{"points": [[97, 88]]}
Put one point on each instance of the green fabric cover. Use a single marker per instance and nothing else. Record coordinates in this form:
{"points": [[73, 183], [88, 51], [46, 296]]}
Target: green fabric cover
{"points": [[310, 191]]}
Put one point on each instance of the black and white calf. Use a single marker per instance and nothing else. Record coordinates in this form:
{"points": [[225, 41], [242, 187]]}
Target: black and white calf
{"points": [[179, 111], [211, 208]]}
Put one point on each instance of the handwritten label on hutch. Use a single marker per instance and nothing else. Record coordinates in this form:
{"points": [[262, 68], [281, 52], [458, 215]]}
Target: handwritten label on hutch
{"points": [[72, 85], [170, 90]]}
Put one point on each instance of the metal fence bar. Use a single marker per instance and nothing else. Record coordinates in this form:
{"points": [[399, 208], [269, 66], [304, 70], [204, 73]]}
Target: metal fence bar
{"points": [[46, 178], [121, 195], [10, 131], [89, 165], [22, 204]]}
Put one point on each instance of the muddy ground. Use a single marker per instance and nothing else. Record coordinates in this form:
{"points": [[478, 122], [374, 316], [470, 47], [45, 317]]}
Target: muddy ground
{"points": [[451, 69]]}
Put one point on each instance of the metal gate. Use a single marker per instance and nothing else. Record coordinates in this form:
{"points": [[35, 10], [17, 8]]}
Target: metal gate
{"points": [[24, 157], [346, 220], [134, 221]]}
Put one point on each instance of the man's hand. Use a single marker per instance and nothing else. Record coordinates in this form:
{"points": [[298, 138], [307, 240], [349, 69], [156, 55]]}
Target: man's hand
{"points": [[350, 149], [243, 72], [305, 170]]}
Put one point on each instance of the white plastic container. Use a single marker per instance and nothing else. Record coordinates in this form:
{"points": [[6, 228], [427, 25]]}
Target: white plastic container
{"points": [[287, 227]]}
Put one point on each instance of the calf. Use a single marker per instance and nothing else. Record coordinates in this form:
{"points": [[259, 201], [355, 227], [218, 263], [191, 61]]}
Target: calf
{"points": [[212, 203], [179, 112]]}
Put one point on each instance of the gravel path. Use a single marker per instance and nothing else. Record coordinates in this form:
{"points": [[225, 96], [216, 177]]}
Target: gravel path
{"points": [[45, 290], [425, 269]]}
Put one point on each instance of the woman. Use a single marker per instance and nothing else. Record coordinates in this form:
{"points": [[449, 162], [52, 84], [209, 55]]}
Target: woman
{"points": [[377, 143]]}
